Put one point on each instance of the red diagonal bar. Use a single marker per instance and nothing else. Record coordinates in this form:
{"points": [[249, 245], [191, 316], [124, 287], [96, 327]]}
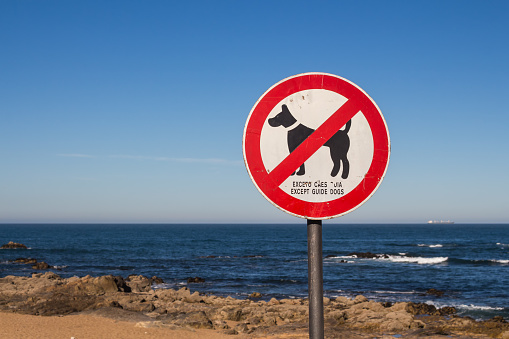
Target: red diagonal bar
{"points": [[316, 140]]}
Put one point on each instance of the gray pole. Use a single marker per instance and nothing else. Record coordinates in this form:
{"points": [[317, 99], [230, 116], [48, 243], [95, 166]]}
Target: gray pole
{"points": [[315, 279]]}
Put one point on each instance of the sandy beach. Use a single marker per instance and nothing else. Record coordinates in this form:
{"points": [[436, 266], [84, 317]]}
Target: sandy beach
{"points": [[81, 326], [88, 327]]}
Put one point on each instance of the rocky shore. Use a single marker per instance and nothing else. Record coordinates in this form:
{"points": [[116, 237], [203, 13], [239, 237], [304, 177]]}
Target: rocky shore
{"points": [[134, 299]]}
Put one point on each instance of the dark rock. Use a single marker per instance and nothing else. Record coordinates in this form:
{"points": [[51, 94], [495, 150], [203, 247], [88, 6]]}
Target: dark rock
{"points": [[35, 265], [447, 310], [139, 306], [25, 261], [497, 319], [156, 280], [51, 276], [235, 315], [387, 304], [196, 319], [41, 266], [421, 308], [255, 295], [369, 255], [13, 245], [121, 284], [231, 331], [242, 328], [115, 304], [436, 293], [426, 309], [220, 325], [60, 304], [195, 280]]}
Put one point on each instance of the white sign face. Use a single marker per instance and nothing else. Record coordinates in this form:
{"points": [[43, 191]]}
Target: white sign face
{"points": [[311, 108], [316, 146]]}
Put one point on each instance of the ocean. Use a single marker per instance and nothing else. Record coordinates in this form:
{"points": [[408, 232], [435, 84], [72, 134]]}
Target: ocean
{"points": [[469, 263]]}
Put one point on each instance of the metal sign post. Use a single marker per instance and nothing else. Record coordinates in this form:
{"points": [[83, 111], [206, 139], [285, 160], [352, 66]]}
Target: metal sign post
{"points": [[315, 279]]}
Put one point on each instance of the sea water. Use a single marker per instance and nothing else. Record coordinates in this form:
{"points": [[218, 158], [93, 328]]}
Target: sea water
{"points": [[469, 263]]}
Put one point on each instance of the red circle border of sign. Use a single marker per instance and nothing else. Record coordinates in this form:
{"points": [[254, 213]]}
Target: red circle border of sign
{"points": [[256, 168]]}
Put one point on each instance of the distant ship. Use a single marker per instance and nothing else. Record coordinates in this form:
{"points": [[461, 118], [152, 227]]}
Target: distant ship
{"points": [[440, 222]]}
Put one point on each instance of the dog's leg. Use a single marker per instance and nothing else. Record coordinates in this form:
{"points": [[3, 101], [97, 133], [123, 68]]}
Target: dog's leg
{"points": [[336, 160], [346, 167], [301, 170], [339, 145]]}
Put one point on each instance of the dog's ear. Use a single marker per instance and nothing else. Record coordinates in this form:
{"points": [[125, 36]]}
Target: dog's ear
{"points": [[286, 117]]}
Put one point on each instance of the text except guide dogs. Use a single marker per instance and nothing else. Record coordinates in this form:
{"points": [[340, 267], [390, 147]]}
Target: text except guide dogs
{"points": [[317, 187]]}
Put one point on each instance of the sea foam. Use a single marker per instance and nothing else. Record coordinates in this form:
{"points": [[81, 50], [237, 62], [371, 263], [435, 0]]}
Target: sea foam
{"points": [[479, 308], [430, 246], [505, 262], [418, 260]]}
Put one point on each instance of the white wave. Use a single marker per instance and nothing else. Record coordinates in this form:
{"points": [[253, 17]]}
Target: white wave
{"points": [[501, 261], [479, 307], [394, 292], [430, 246], [503, 245], [341, 258], [345, 257], [418, 260]]}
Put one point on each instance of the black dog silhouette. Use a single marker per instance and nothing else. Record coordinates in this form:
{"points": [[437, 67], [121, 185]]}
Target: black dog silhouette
{"points": [[338, 144]]}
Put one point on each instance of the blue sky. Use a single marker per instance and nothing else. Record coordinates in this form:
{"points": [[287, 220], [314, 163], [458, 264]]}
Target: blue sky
{"points": [[133, 111]]}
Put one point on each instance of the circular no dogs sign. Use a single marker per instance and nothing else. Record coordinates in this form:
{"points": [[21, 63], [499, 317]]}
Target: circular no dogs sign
{"points": [[316, 146]]}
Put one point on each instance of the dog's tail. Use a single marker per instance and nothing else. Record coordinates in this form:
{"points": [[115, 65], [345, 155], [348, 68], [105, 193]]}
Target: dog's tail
{"points": [[347, 126]]}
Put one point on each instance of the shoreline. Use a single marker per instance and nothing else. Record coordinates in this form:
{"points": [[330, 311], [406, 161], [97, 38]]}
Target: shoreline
{"points": [[133, 303], [242, 260]]}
